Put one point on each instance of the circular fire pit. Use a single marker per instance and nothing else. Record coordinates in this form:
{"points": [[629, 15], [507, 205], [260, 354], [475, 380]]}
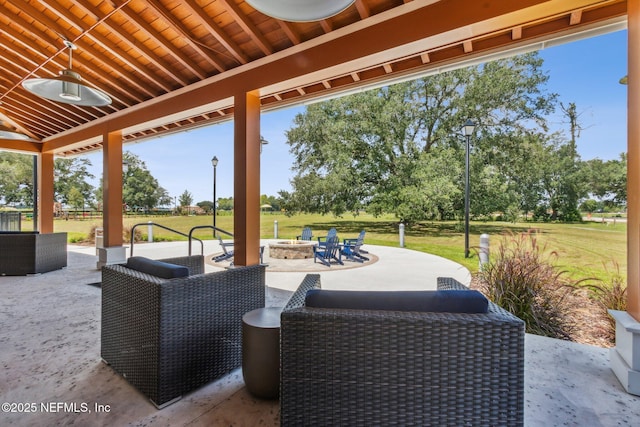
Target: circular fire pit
{"points": [[292, 249]]}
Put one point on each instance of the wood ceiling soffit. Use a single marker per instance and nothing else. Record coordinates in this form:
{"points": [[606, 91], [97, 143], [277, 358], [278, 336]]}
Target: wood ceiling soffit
{"points": [[291, 33], [157, 40], [187, 37], [247, 26], [226, 41], [123, 54]]}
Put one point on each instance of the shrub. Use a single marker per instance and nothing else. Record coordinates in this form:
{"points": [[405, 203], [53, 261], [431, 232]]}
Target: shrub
{"points": [[522, 279], [126, 234], [610, 295]]}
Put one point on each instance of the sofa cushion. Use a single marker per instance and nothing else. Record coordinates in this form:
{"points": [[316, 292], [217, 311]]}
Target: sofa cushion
{"points": [[156, 268], [449, 301]]}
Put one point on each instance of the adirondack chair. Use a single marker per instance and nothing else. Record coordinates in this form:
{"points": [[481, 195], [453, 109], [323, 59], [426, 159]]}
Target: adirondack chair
{"points": [[226, 254], [306, 234], [322, 241], [329, 251], [351, 248]]}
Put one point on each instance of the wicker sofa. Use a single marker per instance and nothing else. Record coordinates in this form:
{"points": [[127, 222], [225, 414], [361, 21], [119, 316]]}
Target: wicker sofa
{"points": [[23, 253], [397, 368], [168, 337]]}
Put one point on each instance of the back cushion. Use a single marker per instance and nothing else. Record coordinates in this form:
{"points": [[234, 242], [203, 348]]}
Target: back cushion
{"points": [[156, 268], [449, 301]]}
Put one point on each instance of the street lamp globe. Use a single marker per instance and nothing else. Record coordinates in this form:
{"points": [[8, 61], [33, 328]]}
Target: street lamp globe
{"points": [[468, 128]]}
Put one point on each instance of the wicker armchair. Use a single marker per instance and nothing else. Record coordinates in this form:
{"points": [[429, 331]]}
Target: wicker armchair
{"points": [[168, 337], [391, 368]]}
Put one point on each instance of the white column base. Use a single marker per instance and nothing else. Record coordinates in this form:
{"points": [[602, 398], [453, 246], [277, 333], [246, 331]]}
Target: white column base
{"points": [[625, 357], [112, 255]]}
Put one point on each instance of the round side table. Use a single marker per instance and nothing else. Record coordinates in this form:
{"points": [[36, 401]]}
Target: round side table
{"points": [[261, 352]]}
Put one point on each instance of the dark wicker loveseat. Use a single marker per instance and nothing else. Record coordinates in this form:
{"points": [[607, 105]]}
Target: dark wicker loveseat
{"points": [[168, 337], [396, 368], [23, 253]]}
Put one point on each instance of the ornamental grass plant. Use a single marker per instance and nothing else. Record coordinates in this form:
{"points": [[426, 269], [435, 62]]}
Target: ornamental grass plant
{"points": [[609, 294], [523, 279]]}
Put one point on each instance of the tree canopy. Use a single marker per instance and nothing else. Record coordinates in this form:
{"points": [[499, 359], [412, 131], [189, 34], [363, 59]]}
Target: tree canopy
{"points": [[400, 149]]}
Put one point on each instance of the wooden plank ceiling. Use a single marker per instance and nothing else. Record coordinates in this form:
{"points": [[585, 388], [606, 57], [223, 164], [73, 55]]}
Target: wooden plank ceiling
{"points": [[139, 51]]}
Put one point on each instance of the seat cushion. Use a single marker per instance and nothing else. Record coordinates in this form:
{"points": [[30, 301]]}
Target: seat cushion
{"points": [[156, 268], [446, 301]]}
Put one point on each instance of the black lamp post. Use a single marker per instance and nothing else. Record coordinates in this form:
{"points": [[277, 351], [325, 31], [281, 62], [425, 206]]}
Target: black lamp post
{"points": [[468, 128], [214, 162]]}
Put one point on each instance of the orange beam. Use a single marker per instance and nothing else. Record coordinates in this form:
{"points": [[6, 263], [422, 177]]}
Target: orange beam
{"points": [[246, 192], [112, 189], [633, 160], [45, 193], [20, 146]]}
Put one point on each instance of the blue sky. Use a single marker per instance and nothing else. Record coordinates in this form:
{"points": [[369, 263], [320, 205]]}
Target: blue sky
{"points": [[586, 72]]}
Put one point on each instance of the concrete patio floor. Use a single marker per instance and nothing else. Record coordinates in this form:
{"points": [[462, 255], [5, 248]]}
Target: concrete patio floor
{"points": [[50, 353]]}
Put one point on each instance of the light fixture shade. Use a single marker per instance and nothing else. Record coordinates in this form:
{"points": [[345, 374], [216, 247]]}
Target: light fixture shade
{"points": [[214, 161], [468, 128], [67, 88], [8, 133], [300, 10]]}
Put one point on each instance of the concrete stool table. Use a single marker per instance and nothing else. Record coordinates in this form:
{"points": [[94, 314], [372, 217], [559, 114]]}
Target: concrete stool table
{"points": [[261, 352]]}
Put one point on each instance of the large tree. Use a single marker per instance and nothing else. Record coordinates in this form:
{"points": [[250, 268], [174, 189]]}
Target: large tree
{"points": [[399, 149], [16, 178], [140, 189], [607, 180], [70, 182]]}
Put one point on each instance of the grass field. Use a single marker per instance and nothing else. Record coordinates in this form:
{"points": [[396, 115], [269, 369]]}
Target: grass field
{"points": [[584, 250]]}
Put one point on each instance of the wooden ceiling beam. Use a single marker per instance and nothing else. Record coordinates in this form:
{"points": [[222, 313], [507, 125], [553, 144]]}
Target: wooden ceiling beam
{"points": [[179, 27], [176, 53], [247, 26], [363, 9], [220, 35], [119, 52]]}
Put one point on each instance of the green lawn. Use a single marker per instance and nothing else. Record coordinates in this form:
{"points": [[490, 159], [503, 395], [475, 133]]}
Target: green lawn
{"points": [[583, 250]]}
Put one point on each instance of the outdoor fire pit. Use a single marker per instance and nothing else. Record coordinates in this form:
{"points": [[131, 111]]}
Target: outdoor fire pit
{"points": [[292, 249]]}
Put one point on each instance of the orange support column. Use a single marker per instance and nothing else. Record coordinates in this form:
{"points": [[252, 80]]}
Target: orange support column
{"points": [[246, 200], [633, 159], [625, 356], [113, 252], [45, 192]]}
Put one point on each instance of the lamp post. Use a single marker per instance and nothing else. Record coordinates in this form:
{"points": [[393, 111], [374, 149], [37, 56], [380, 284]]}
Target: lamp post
{"points": [[214, 162], [468, 128]]}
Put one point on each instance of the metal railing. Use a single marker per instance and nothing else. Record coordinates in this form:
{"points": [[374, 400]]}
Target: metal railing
{"points": [[173, 231], [197, 227]]}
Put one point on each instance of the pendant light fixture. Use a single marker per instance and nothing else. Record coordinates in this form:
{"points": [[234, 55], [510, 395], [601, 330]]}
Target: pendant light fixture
{"points": [[8, 133], [67, 87], [300, 10]]}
